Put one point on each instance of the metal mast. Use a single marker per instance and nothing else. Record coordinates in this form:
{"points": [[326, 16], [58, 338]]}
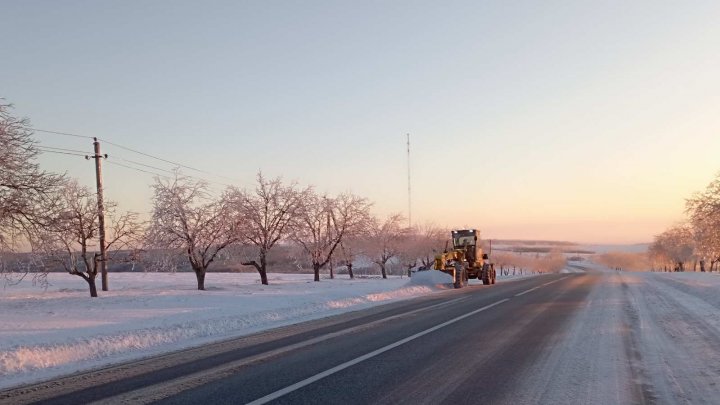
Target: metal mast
{"points": [[408, 172]]}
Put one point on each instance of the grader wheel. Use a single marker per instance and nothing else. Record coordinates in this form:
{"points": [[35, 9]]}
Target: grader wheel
{"points": [[461, 277]]}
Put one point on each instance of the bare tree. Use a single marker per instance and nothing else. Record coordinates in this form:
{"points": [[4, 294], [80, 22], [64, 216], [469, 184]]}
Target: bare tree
{"points": [[385, 240], [349, 250], [186, 218], [659, 255], [675, 245], [69, 238], [266, 214], [25, 190], [633, 261], [422, 243], [704, 211], [323, 222], [16, 267], [552, 262]]}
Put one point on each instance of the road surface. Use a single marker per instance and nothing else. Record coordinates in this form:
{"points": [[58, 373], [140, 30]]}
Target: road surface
{"points": [[590, 338]]}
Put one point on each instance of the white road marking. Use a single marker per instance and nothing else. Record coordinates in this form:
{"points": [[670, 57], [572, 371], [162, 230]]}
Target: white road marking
{"points": [[163, 390], [166, 389], [540, 286], [527, 291], [316, 377]]}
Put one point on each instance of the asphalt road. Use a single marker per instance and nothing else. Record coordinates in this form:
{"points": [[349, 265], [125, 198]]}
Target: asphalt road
{"points": [[495, 333], [537, 340]]}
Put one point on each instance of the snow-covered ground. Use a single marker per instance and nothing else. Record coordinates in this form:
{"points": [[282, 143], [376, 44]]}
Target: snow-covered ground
{"points": [[45, 333], [674, 321], [647, 337], [640, 338]]}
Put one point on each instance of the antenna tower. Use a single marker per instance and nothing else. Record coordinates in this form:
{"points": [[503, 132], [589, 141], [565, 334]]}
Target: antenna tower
{"points": [[408, 171]]}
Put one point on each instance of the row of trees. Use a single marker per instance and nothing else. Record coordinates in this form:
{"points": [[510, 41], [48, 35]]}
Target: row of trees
{"points": [[551, 262], [697, 240], [187, 218], [57, 219]]}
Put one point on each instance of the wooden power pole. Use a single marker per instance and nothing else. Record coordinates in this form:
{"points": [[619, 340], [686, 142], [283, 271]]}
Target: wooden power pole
{"points": [[101, 210]]}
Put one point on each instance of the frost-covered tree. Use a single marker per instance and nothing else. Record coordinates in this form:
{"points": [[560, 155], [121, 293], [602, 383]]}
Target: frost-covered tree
{"points": [[350, 248], [658, 255], [385, 240], [323, 222], [266, 214], [703, 208], [675, 246], [16, 267], [552, 262], [633, 261], [70, 240], [25, 190], [421, 244], [185, 218]]}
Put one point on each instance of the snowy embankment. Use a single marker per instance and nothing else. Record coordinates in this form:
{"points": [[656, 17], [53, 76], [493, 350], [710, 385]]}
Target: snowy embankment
{"points": [[45, 333]]}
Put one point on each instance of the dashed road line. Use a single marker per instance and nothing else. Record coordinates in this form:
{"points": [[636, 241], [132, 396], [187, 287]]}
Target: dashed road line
{"points": [[540, 286], [169, 388], [326, 373]]}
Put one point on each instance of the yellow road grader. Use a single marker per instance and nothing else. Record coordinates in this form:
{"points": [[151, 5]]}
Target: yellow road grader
{"points": [[466, 260]]}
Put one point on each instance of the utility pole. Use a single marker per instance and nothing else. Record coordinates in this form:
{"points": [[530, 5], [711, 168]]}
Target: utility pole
{"points": [[329, 239], [408, 170], [101, 210]]}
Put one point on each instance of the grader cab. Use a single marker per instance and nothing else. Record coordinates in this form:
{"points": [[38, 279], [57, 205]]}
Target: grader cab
{"points": [[466, 260]]}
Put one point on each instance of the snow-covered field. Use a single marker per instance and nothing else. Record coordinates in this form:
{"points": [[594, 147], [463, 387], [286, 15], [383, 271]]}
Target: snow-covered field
{"points": [[45, 333]]}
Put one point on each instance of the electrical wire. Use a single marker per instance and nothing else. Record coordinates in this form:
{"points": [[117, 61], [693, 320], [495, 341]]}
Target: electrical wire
{"points": [[64, 149], [130, 167], [143, 164], [166, 171], [158, 158], [139, 170], [60, 153], [60, 133], [149, 172], [140, 153]]}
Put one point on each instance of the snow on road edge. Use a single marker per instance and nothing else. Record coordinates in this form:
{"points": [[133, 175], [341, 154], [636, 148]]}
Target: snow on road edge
{"points": [[150, 314]]}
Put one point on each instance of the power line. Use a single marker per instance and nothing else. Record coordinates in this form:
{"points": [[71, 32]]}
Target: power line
{"points": [[84, 154], [161, 159], [153, 173], [121, 147], [144, 165], [166, 161], [63, 149], [167, 171], [60, 153], [139, 170], [60, 133], [140, 153]]}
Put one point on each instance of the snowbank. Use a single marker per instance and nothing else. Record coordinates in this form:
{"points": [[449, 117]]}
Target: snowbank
{"points": [[45, 333], [60, 330]]}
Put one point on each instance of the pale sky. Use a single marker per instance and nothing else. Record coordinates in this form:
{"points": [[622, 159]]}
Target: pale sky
{"points": [[586, 121]]}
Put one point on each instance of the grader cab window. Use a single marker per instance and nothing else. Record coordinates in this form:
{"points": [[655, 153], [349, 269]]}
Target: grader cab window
{"points": [[463, 238], [464, 241]]}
